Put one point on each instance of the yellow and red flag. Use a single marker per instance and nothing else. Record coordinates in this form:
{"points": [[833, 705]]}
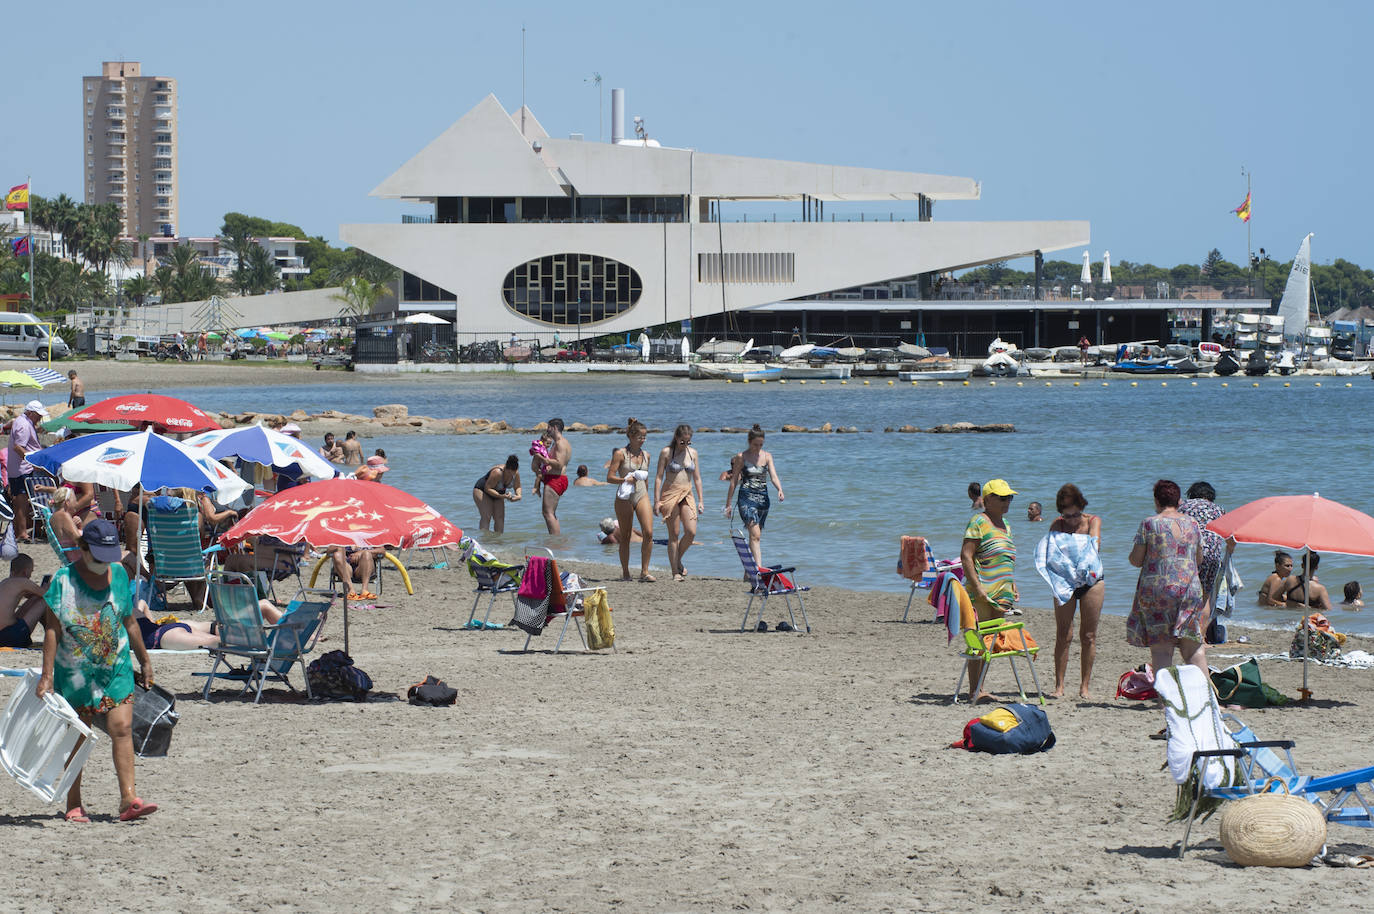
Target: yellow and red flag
{"points": [[1243, 211], [18, 197]]}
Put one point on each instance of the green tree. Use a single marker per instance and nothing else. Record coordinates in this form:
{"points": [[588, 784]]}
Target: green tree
{"points": [[164, 281], [359, 296], [240, 244], [138, 288], [261, 273]]}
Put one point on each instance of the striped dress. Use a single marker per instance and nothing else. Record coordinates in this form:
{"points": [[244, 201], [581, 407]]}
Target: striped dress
{"points": [[994, 561]]}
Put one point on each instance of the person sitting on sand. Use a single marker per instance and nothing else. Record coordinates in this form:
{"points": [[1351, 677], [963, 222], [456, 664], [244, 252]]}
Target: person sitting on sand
{"points": [[1271, 591], [21, 604], [1295, 586], [352, 449], [583, 479], [1033, 512]]}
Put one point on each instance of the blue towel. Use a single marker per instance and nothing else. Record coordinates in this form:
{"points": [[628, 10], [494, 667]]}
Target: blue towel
{"points": [[1068, 561]]}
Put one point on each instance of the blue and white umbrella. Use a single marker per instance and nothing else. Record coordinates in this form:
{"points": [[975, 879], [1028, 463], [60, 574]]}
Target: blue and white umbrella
{"points": [[124, 460], [51, 458], [45, 375], [258, 444]]}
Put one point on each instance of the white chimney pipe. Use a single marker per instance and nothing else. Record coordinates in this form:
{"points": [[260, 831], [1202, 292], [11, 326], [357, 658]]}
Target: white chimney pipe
{"points": [[617, 115]]}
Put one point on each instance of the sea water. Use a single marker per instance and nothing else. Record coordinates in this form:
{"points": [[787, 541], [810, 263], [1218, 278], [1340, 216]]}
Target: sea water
{"points": [[849, 497]]}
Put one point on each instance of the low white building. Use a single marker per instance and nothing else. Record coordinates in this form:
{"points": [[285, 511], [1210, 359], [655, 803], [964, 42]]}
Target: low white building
{"points": [[538, 234]]}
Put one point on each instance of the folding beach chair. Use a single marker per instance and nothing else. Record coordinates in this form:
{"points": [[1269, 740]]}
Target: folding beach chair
{"points": [[65, 554], [929, 573], [493, 578], [270, 650], [560, 600], [1214, 757], [174, 542], [43, 743], [36, 498], [992, 640], [770, 581]]}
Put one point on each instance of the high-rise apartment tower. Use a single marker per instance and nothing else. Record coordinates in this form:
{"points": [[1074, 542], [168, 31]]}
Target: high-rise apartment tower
{"points": [[130, 130]]}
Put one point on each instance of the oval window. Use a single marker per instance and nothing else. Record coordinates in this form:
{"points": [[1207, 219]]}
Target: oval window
{"points": [[569, 290]]}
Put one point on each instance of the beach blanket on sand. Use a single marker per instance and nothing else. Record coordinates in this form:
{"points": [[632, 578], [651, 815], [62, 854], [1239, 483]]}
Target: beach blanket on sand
{"points": [[1068, 561]]}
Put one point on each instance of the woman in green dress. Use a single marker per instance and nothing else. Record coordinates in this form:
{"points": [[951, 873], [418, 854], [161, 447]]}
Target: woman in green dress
{"points": [[89, 627]]}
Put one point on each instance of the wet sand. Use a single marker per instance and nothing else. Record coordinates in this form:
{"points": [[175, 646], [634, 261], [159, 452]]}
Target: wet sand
{"points": [[696, 768]]}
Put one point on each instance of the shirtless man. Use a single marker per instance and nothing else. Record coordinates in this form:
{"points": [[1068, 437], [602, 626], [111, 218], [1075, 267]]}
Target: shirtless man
{"points": [[551, 470], [583, 479], [21, 604], [352, 450], [77, 397], [332, 451]]}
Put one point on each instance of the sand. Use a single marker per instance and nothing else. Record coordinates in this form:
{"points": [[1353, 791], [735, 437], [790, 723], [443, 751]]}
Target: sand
{"points": [[695, 769]]}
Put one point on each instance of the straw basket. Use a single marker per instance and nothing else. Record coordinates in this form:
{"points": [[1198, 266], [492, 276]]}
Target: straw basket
{"points": [[1272, 829]]}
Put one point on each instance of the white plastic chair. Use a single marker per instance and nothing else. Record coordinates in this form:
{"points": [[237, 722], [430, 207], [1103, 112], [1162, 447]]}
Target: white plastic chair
{"points": [[37, 736]]}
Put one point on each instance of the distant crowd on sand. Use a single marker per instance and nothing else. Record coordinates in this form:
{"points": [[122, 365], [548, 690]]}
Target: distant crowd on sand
{"points": [[1180, 564]]}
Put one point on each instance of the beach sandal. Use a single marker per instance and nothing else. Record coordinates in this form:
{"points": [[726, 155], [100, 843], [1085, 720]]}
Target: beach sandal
{"points": [[679, 577], [647, 579], [784, 626], [77, 814], [763, 626], [137, 810]]}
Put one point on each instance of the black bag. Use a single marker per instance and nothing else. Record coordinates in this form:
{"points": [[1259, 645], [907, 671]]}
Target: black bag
{"points": [[432, 691], [333, 676], [154, 718], [1031, 734]]}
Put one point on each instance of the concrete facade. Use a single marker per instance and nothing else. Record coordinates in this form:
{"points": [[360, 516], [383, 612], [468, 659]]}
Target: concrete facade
{"points": [[679, 254], [129, 126]]}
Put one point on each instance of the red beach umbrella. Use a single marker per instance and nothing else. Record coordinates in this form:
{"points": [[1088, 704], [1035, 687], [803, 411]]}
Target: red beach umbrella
{"points": [[346, 512], [1307, 522], [167, 414]]}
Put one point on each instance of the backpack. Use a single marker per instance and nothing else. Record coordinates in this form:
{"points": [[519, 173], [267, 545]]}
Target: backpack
{"points": [[433, 692], [333, 677], [1028, 731], [1137, 684]]}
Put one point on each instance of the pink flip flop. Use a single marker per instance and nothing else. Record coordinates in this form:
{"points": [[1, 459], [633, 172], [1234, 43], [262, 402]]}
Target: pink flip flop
{"points": [[77, 814], [137, 810]]}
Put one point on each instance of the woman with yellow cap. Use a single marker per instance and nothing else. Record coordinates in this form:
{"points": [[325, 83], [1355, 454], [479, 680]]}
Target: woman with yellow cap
{"points": [[989, 559]]}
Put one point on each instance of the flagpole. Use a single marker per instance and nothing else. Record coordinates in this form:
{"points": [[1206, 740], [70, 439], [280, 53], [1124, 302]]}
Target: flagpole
{"points": [[1250, 210], [28, 179]]}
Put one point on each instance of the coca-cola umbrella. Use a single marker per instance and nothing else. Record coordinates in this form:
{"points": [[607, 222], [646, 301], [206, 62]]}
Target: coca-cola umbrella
{"points": [[1307, 522], [167, 414], [346, 512]]}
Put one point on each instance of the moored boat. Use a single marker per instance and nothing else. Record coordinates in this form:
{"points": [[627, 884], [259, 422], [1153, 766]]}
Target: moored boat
{"points": [[829, 372], [707, 371], [935, 374]]}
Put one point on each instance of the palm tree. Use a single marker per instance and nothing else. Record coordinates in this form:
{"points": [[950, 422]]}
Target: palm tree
{"points": [[66, 216], [359, 296], [357, 262], [240, 244], [164, 281], [261, 273], [138, 288], [143, 251]]}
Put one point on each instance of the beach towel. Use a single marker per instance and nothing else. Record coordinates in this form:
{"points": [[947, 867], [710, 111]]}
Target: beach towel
{"points": [[1194, 724], [532, 601], [913, 558], [1068, 561], [600, 630], [1229, 585]]}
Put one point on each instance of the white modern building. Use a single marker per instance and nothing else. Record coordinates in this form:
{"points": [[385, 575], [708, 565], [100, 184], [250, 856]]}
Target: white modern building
{"points": [[533, 234]]}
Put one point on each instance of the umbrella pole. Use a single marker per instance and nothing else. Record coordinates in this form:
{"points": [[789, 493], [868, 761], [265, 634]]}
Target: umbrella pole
{"points": [[1305, 694]]}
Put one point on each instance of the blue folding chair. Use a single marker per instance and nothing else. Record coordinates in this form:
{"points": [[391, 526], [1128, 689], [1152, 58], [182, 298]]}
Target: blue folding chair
{"points": [[174, 542], [768, 582], [270, 650], [493, 579]]}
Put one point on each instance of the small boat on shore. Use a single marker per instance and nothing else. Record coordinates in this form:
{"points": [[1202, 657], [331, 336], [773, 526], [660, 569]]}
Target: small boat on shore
{"points": [[1156, 366], [714, 350], [706, 371], [830, 372], [801, 351], [935, 374]]}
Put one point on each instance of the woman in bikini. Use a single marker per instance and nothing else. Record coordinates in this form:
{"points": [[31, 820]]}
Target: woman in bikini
{"points": [[1297, 587], [65, 526], [678, 471], [629, 471], [750, 474], [1069, 502], [1271, 591], [490, 493]]}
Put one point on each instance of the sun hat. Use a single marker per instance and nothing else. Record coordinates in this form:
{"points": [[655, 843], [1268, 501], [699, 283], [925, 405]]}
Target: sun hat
{"points": [[378, 464], [997, 487], [102, 540], [290, 428], [34, 406]]}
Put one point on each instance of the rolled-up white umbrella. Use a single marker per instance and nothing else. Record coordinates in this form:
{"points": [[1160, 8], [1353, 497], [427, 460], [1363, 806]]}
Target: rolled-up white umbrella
{"points": [[1106, 268], [1086, 277]]}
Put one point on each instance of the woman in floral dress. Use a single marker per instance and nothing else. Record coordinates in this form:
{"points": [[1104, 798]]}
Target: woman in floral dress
{"points": [[1170, 608]]}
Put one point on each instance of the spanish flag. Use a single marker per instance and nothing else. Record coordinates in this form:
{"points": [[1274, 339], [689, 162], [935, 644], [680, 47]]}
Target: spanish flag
{"points": [[1242, 212], [18, 197]]}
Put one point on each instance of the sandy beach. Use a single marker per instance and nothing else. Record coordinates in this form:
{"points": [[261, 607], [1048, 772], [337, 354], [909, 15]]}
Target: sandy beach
{"points": [[696, 768]]}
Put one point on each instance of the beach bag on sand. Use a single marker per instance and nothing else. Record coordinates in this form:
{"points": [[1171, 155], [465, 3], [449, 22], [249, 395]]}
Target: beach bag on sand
{"points": [[1241, 685], [333, 677], [432, 691], [600, 630], [154, 718], [1137, 684], [1026, 733]]}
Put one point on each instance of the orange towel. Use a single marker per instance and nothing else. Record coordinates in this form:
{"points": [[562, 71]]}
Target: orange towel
{"points": [[911, 561]]}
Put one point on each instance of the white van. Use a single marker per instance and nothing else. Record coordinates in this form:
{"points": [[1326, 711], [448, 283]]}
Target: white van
{"points": [[22, 334]]}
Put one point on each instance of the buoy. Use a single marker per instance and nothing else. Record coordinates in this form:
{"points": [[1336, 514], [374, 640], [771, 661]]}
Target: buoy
{"points": [[842, 382], [1319, 383], [1047, 383], [889, 383], [1075, 383], [1195, 383], [744, 380], [966, 383], [1135, 383], [1163, 383], [822, 382], [1019, 384], [992, 383], [1256, 384], [913, 384], [1348, 384], [942, 383], [865, 383], [728, 381], [763, 380], [1286, 384], [1224, 384], [801, 382], [1104, 383]]}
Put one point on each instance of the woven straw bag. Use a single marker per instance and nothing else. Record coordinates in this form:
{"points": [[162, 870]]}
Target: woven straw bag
{"points": [[1272, 829]]}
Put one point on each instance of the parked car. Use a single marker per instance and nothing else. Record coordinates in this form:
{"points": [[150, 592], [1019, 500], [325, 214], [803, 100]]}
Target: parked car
{"points": [[22, 334]]}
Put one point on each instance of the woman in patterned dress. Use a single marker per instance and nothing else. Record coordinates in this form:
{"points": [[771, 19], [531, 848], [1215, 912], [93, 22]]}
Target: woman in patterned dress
{"points": [[1170, 608], [989, 560], [1201, 505]]}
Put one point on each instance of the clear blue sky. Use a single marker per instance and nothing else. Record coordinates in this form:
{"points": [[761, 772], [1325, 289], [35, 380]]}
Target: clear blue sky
{"points": [[1137, 117]]}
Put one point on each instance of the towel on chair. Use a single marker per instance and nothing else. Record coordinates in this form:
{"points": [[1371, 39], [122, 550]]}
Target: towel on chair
{"points": [[1068, 561], [536, 589], [911, 560]]}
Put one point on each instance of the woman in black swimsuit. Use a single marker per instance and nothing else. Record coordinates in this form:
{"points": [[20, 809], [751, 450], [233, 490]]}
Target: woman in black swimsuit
{"points": [[1297, 586], [493, 489]]}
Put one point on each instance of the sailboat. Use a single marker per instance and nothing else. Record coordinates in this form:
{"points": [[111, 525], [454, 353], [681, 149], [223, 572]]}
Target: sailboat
{"points": [[1293, 307]]}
